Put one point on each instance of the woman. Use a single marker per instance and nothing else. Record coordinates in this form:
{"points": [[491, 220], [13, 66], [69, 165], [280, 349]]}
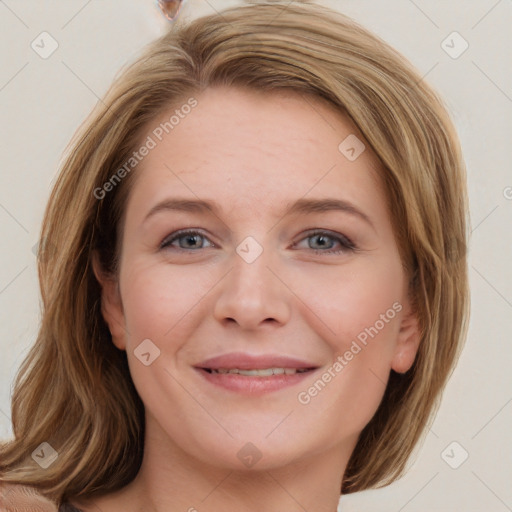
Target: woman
{"points": [[198, 350]]}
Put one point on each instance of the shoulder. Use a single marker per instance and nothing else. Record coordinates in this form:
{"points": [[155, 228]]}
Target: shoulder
{"points": [[22, 498]]}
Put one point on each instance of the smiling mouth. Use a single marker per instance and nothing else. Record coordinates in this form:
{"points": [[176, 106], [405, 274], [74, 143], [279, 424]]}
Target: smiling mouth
{"points": [[262, 372]]}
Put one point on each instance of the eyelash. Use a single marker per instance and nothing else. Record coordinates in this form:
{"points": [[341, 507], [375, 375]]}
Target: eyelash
{"points": [[346, 243]]}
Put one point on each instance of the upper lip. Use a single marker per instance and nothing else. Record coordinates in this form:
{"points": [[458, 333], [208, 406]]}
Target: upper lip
{"points": [[243, 361]]}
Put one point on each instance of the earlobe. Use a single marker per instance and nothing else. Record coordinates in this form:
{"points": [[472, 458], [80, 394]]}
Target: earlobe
{"points": [[111, 305], [408, 342]]}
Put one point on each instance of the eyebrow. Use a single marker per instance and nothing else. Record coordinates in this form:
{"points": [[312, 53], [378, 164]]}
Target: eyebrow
{"points": [[301, 206]]}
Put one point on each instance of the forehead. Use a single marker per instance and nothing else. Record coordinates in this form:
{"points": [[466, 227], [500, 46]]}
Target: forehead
{"points": [[256, 152]]}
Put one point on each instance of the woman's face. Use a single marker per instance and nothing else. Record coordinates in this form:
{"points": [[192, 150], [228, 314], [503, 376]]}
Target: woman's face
{"points": [[294, 266]]}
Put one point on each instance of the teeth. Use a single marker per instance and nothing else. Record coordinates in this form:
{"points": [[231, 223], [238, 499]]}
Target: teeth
{"points": [[264, 372]]}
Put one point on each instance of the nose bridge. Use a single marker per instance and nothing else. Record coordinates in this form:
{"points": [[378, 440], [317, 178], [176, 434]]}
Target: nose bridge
{"points": [[251, 293], [251, 261]]}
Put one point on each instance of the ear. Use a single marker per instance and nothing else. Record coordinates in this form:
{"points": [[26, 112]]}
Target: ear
{"points": [[111, 305], [408, 341]]}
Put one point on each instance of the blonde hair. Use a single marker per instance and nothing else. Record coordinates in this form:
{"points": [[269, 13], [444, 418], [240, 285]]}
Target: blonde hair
{"points": [[74, 389]]}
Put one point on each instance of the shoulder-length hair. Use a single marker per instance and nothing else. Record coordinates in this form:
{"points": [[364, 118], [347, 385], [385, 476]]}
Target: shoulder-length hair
{"points": [[74, 389]]}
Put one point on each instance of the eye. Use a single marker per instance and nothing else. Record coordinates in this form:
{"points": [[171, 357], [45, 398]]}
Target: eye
{"points": [[191, 240], [323, 246]]}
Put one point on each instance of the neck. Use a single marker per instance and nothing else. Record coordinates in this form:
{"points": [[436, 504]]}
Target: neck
{"points": [[171, 480]]}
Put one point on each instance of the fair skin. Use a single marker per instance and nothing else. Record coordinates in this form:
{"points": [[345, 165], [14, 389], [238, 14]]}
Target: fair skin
{"points": [[254, 154]]}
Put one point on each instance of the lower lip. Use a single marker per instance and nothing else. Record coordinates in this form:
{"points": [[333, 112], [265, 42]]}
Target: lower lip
{"points": [[253, 385]]}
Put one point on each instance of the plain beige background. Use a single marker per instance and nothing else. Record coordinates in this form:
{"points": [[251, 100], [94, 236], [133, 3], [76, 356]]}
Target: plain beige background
{"points": [[43, 101]]}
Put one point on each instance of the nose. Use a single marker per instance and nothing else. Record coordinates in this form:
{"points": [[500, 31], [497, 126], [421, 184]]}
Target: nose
{"points": [[253, 293]]}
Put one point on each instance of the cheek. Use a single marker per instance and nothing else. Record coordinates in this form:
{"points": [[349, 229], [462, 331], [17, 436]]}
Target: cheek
{"points": [[357, 314], [160, 301], [361, 301]]}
